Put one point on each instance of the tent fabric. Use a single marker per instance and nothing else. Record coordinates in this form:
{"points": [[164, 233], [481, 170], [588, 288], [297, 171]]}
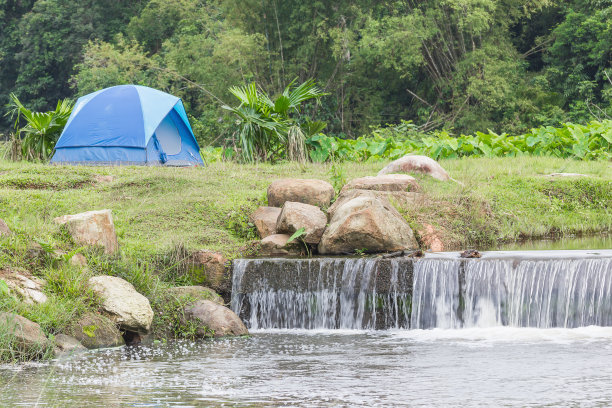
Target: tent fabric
{"points": [[128, 124]]}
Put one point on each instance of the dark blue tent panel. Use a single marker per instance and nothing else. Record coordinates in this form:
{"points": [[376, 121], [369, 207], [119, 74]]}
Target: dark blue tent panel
{"points": [[128, 124]]}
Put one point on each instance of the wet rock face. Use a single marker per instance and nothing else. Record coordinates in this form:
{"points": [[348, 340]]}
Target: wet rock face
{"points": [[28, 336], [125, 306], [215, 317], [277, 245], [386, 182], [28, 287], [264, 219], [211, 269], [92, 228], [298, 215], [307, 191], [416, 164], [369, 224], [94, 331]]}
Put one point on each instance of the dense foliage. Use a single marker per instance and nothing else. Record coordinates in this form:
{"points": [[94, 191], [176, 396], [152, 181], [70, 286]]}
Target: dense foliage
{"points": [[269, 129], [36, 138], [583, 142], [460, 66]]}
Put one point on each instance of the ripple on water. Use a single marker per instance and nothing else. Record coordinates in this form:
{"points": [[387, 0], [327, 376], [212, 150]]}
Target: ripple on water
{"points": [[498, 366]]}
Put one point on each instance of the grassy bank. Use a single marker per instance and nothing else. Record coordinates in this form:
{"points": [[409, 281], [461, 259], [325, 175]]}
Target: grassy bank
{"points": [[161, 213]]}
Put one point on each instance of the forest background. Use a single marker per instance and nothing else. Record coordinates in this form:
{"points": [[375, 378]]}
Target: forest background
{"points": [[458, 65]]}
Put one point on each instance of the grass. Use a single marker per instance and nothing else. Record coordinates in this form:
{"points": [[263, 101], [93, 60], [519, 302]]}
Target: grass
{"points": [[161, 214]]}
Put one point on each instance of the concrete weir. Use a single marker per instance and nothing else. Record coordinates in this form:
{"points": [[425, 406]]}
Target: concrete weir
{"points": [[441, 290]]}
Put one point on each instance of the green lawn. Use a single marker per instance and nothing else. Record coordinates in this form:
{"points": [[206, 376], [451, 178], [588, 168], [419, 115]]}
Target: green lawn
{"points": [[157, 208]]}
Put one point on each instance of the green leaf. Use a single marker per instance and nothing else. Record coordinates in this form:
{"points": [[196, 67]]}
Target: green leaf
{"points": [[4, 289], [297, 234]]}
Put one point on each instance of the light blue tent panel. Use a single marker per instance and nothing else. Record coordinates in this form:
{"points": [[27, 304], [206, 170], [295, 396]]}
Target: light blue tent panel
{"points": [[128, 124]]}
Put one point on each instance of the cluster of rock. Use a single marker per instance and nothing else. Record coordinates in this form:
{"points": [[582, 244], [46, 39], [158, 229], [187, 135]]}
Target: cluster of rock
{"points": [[125, 316], [363, 217]]}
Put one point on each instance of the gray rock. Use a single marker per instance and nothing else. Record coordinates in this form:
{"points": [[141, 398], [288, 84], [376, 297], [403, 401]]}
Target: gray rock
{"points": [[210, 268], [92, 228], [96, 331], [307, 191], [264, 219], [416, 164], [404, 200], [386, 182], [367, 223], [27, 286], [65, 344], [28, 336], [215, 317], [125, 306], [298, 215], [277, 245]]}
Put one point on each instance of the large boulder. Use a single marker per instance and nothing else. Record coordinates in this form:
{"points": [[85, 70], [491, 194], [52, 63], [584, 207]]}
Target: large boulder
{"points": [[367, 223], [92, 228], [210, 316], [196, 293], [129, 309], [404, 200], [27, 336], [94, 331], [307, 191], [28, 287], [386, 182], [4, 229], [416, 164], [264, 219], [210, 268], [299, 215], [277, 244]]}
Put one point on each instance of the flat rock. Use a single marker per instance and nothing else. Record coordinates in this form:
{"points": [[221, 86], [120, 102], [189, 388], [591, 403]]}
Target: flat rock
{"points": [[65, 344], [125, 306], [4, 229], [369, 224], [307, 191], [215, 317], [299, 215], [92, 228], [94, 331], [404, 200], [386, 182], [210, 269], [264, 219], [28, 336], [276, 244], [196, 292], [27, 286], [416, 164]]}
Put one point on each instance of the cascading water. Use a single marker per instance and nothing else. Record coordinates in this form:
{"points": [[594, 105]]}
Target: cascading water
{"points": [[529, 293], [435, 292], [351, 293]]}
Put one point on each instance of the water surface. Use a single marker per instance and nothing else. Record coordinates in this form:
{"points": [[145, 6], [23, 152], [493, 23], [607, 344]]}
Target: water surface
{"points": [[496, 366]]}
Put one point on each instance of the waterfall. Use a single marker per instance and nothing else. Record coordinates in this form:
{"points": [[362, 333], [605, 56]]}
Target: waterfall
{"points": [[434, 292], [528, 293], [350, 293]]}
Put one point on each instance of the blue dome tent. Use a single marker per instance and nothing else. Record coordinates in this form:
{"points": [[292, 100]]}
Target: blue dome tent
{"points": [[128, 124]]}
